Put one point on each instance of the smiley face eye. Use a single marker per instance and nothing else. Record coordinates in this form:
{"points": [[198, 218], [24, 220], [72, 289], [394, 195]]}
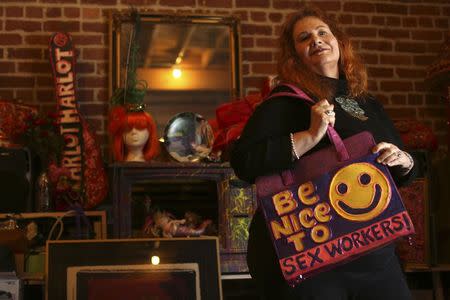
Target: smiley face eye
{"points": [[364, 179], [342, 188]]}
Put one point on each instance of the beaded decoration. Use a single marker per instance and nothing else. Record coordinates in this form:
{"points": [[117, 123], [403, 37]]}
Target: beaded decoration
{"points": [[352, 108]]}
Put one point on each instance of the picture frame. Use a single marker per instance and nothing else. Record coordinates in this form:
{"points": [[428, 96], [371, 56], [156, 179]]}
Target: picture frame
{"points": [[163, 281], [62, 255]]}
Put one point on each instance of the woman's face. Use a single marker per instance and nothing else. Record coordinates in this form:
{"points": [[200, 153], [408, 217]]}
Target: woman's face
{"points": [[316, 46], [136, 137]]}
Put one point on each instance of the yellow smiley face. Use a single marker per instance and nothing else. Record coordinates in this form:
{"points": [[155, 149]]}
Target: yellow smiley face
{"points": [[359, 192]]}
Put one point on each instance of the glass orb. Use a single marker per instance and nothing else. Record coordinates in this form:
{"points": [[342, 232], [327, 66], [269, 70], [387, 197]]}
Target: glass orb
{"points": [[188, 137]]}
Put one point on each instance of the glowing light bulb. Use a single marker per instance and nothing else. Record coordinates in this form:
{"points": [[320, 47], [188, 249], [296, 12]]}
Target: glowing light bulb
{"points": [[176, 73], [155, 260]]}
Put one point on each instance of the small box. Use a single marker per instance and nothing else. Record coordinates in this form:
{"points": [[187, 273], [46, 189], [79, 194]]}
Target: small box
{"points": [[10, 286]]}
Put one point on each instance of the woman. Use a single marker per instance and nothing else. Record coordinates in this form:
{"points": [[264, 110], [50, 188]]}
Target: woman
{"points": [[318, 58], [134, 135]]}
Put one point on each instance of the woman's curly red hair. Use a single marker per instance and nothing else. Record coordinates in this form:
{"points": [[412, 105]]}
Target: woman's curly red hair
{"points": [[291, 69], [122, 121]]}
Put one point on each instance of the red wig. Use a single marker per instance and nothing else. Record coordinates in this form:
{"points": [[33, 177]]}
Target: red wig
{"points": [[122, 122], [291, 69]]}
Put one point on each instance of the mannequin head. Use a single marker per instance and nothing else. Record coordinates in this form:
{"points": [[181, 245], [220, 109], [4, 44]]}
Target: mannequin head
{"points": [[134, 135]]}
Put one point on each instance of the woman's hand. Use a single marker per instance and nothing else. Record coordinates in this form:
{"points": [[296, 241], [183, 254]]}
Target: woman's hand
{"points": [[322, 114], [391, 156]]}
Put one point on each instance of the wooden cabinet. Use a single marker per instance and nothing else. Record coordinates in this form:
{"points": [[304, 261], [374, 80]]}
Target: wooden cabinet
{"points": [[209, 190]]}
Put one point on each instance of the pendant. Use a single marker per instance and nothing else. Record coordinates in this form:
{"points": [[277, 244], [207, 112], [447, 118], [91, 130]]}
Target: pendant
{"points": [[352, 108]]}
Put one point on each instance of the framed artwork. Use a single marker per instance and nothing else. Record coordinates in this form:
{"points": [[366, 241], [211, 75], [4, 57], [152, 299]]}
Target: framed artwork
{"points": [[164, 281], [100, 269]]}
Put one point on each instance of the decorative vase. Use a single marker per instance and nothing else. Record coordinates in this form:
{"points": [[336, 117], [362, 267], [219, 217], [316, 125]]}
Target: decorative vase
{"points": [[43, 197]]}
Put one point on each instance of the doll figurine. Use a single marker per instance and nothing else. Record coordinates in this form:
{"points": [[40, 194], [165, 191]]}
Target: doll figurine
{"points": [[134, 135]]}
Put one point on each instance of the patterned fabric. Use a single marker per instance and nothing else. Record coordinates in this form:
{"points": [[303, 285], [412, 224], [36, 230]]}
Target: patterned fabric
{"points": [[351, 107]]}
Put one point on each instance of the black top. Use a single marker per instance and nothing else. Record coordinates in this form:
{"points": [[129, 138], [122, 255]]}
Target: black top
{"points": [[265, 147]]}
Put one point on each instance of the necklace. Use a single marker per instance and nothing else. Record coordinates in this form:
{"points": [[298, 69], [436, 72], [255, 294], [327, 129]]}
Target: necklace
{"points": [[352, 108]]}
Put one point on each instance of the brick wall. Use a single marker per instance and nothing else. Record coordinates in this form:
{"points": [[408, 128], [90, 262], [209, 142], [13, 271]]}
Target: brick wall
{"points": [[397, 38]]}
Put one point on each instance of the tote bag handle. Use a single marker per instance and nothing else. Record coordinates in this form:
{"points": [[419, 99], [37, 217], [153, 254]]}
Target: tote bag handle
{"points": [[334, 137]]}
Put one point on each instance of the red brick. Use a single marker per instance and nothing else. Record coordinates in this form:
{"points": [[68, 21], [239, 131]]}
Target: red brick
{"points": [[59, 1], [53, 12], [101, 2], [25, 95], [330, 6], [382, 98], [426, 35], [218, 3], [95, 27], [409, 22], [83, 39], [27, 26], [67, 26], [393, 33], [419, 86], [189, 3], [256, 29], [361, 20], [395, 59], [397, 99], [423, 10], [275, 17], [254, 81], [377, 45], [95, 54], [92, 82], [412, 47], [37, 39], [45, 81], [393, 85], [345, 19], [6, 94], [137, 2], [247, 42], [403, 113], [361, 31], [267, 42], [391, 8], [10, 39], [1, 53], [34, 67], [372, 86], [16, 81], [26, 53], [258, 16], [90, 13], [441, 23], [359, 6], [434, 47], [369, 58], [94, 109], [264, 68], [241, 15], [378, 20], [34, 12], [423, 60], [7, 67], [380, 72], [18, 1], [252, 3], [415, 99], [72, 12], [425, 22], [85, 95], [101, 95], [393, 21], [410, 73], [45, 95], [14, 12], [430, 113], [245, 69], [256, 56]]}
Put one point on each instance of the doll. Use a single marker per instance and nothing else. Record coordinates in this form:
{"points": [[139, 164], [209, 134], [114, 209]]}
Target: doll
{"points": [[133, 135]]}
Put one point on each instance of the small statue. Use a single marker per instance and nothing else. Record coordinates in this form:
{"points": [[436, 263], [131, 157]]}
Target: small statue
{"points": [[164, 224]]}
